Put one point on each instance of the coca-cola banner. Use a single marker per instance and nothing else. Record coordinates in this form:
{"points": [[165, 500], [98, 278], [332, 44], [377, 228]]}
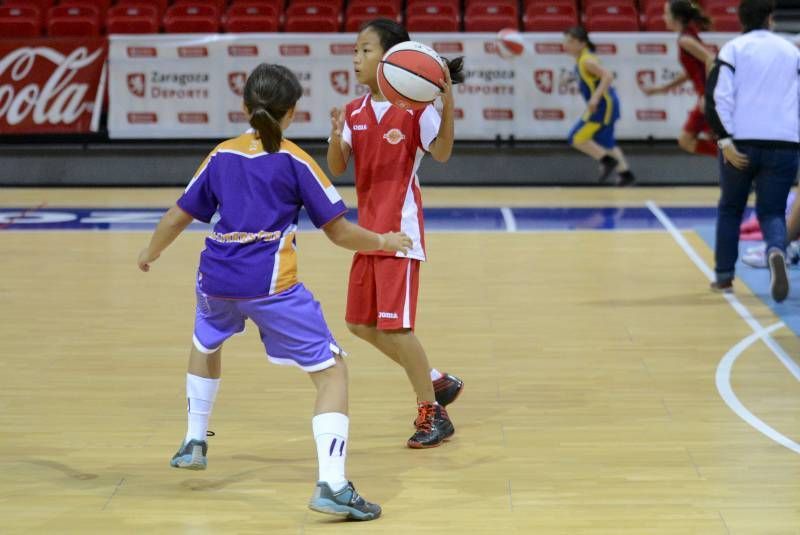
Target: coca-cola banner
{"points": [[191, 86], [51, 85]]}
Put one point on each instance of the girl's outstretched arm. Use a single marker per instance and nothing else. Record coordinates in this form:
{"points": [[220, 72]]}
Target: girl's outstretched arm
{"points": [[171, 225], [442, 147]]}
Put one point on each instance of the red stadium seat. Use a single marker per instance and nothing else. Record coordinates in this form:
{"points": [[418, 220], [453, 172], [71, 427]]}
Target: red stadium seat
{"points": [[313, 10], [455, 4], [436, 22], [41, 5], [724, 18], [194, 18], [470, 4], [261, 19], [129, 19], [569, 3], [219, 5], [654, 19], [433, 8], [483, 17], [338, 4], [23, 21], [358, 14], [612, 18], [73, 21], [101, 5], [549, 18], [160, 5], [312, 23]]}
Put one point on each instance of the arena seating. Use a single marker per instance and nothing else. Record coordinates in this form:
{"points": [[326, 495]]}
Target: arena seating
{"points": [[31, 18]]}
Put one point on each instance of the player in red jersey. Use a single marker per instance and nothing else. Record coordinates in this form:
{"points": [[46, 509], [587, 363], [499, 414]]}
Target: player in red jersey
{"points": [[686, 18], [387, 144]]}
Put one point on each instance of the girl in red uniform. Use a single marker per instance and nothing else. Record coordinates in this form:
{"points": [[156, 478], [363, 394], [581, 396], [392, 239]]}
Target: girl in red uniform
{"points": [[686, 18], [387, 144]]}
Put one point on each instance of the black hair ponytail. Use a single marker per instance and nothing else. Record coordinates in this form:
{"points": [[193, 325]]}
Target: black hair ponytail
{"points": [[687, 12], [580, 33], [456, 68], [269, 93]]}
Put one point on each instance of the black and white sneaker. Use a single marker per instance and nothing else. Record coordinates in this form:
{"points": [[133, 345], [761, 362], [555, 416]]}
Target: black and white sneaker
{"points": [[779, 278]]}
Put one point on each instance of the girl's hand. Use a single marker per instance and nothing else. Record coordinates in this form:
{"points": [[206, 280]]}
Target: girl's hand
{"points": [[650, 91], [592, 106], [337, 122], [447, 87], [145, 259], [396, 242]]}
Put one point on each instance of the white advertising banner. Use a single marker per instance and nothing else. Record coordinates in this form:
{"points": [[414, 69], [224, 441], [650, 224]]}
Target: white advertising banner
{"points": [[190, 86]]}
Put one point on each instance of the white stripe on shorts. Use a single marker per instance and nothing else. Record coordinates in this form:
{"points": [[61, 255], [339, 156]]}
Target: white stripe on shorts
{"points": [[407, 305]]}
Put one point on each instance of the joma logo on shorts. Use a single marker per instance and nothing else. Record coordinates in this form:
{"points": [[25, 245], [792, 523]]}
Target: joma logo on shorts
{"points": [[388, 315]]}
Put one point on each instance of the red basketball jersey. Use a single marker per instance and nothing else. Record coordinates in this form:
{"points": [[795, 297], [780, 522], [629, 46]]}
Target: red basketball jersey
{"points": [[695, 69], [387, 152]]}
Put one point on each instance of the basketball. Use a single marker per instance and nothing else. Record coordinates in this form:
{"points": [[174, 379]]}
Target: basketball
{"points": [[510, 43], [409, 74]]}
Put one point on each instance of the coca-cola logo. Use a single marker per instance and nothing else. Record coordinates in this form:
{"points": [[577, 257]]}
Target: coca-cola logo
{"points": [[498, 114], [137, 84], [548, 114], [243, 51], [236, 81], [296, 50], [651, 48], [342, 49], [651, 115], [449, 47], [646, 78], [543, 78], [340, 81], [46, 87]]}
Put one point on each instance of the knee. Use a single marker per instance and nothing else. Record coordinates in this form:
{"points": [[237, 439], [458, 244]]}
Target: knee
{"points": [[362, 331]]}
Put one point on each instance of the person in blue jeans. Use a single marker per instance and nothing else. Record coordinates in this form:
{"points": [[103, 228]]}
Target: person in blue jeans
{"points": [[753, 105]]}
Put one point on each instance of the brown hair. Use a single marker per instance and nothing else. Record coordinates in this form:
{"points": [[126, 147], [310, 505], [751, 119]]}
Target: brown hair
{"points": [[269, 93]]}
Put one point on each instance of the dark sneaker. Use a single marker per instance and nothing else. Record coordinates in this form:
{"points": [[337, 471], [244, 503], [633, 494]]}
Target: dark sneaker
{"points": [[626, 178], [447, 389], [725, 286], [433, 426], [191, 455], [346, 503], [607, 166], [779, 279]]}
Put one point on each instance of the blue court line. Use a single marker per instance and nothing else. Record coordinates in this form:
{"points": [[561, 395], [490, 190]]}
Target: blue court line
{"points": [[437, 219]]}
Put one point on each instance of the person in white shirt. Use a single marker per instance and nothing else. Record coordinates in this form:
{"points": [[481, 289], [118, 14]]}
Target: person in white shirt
{"points": [[753, 106]]}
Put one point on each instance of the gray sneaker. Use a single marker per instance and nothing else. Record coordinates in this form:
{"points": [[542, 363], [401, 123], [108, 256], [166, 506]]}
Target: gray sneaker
{"points": [[779, 279], [191, 455], [346, 503]]}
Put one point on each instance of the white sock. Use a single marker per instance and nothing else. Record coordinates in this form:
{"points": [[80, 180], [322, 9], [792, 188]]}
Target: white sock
{"points": [[330, 434], [200, 395], [436, 374]]}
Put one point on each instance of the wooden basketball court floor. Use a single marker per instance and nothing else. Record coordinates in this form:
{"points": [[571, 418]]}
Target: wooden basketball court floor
{"points": [[591, 360]]}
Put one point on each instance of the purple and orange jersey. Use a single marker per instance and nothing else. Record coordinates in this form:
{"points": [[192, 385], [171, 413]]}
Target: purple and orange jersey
{"points": [[251, 251]]}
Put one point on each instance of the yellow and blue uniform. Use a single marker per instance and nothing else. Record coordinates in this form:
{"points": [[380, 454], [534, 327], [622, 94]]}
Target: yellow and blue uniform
{"points": [[597, 126]]}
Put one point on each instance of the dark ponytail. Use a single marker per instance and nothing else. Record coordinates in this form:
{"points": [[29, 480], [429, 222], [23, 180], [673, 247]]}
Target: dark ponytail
{"points": [[269, 93], [456, 68], [687, 12], [580, 33]]}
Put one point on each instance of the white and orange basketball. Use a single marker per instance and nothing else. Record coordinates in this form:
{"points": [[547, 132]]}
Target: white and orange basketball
{"points": [[409, 74], [510, 43]]}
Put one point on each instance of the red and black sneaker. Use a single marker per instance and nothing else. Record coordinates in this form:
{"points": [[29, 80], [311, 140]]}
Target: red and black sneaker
{"points": [[433, 426], [447, 388]]}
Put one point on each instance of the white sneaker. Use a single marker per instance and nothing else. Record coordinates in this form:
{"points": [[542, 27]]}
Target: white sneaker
{"points": [[756, 256]]}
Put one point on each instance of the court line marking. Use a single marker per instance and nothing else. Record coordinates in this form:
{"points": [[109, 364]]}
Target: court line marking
{"points": [[509, 219], [725, 367]]}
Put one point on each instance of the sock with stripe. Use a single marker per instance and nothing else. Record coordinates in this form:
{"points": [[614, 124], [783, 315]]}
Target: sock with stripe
{"points": [[200, 395], [330, 433]]}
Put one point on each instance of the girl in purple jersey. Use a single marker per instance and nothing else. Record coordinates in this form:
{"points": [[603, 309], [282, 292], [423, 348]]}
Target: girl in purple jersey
{"points": [[257, 183]]}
